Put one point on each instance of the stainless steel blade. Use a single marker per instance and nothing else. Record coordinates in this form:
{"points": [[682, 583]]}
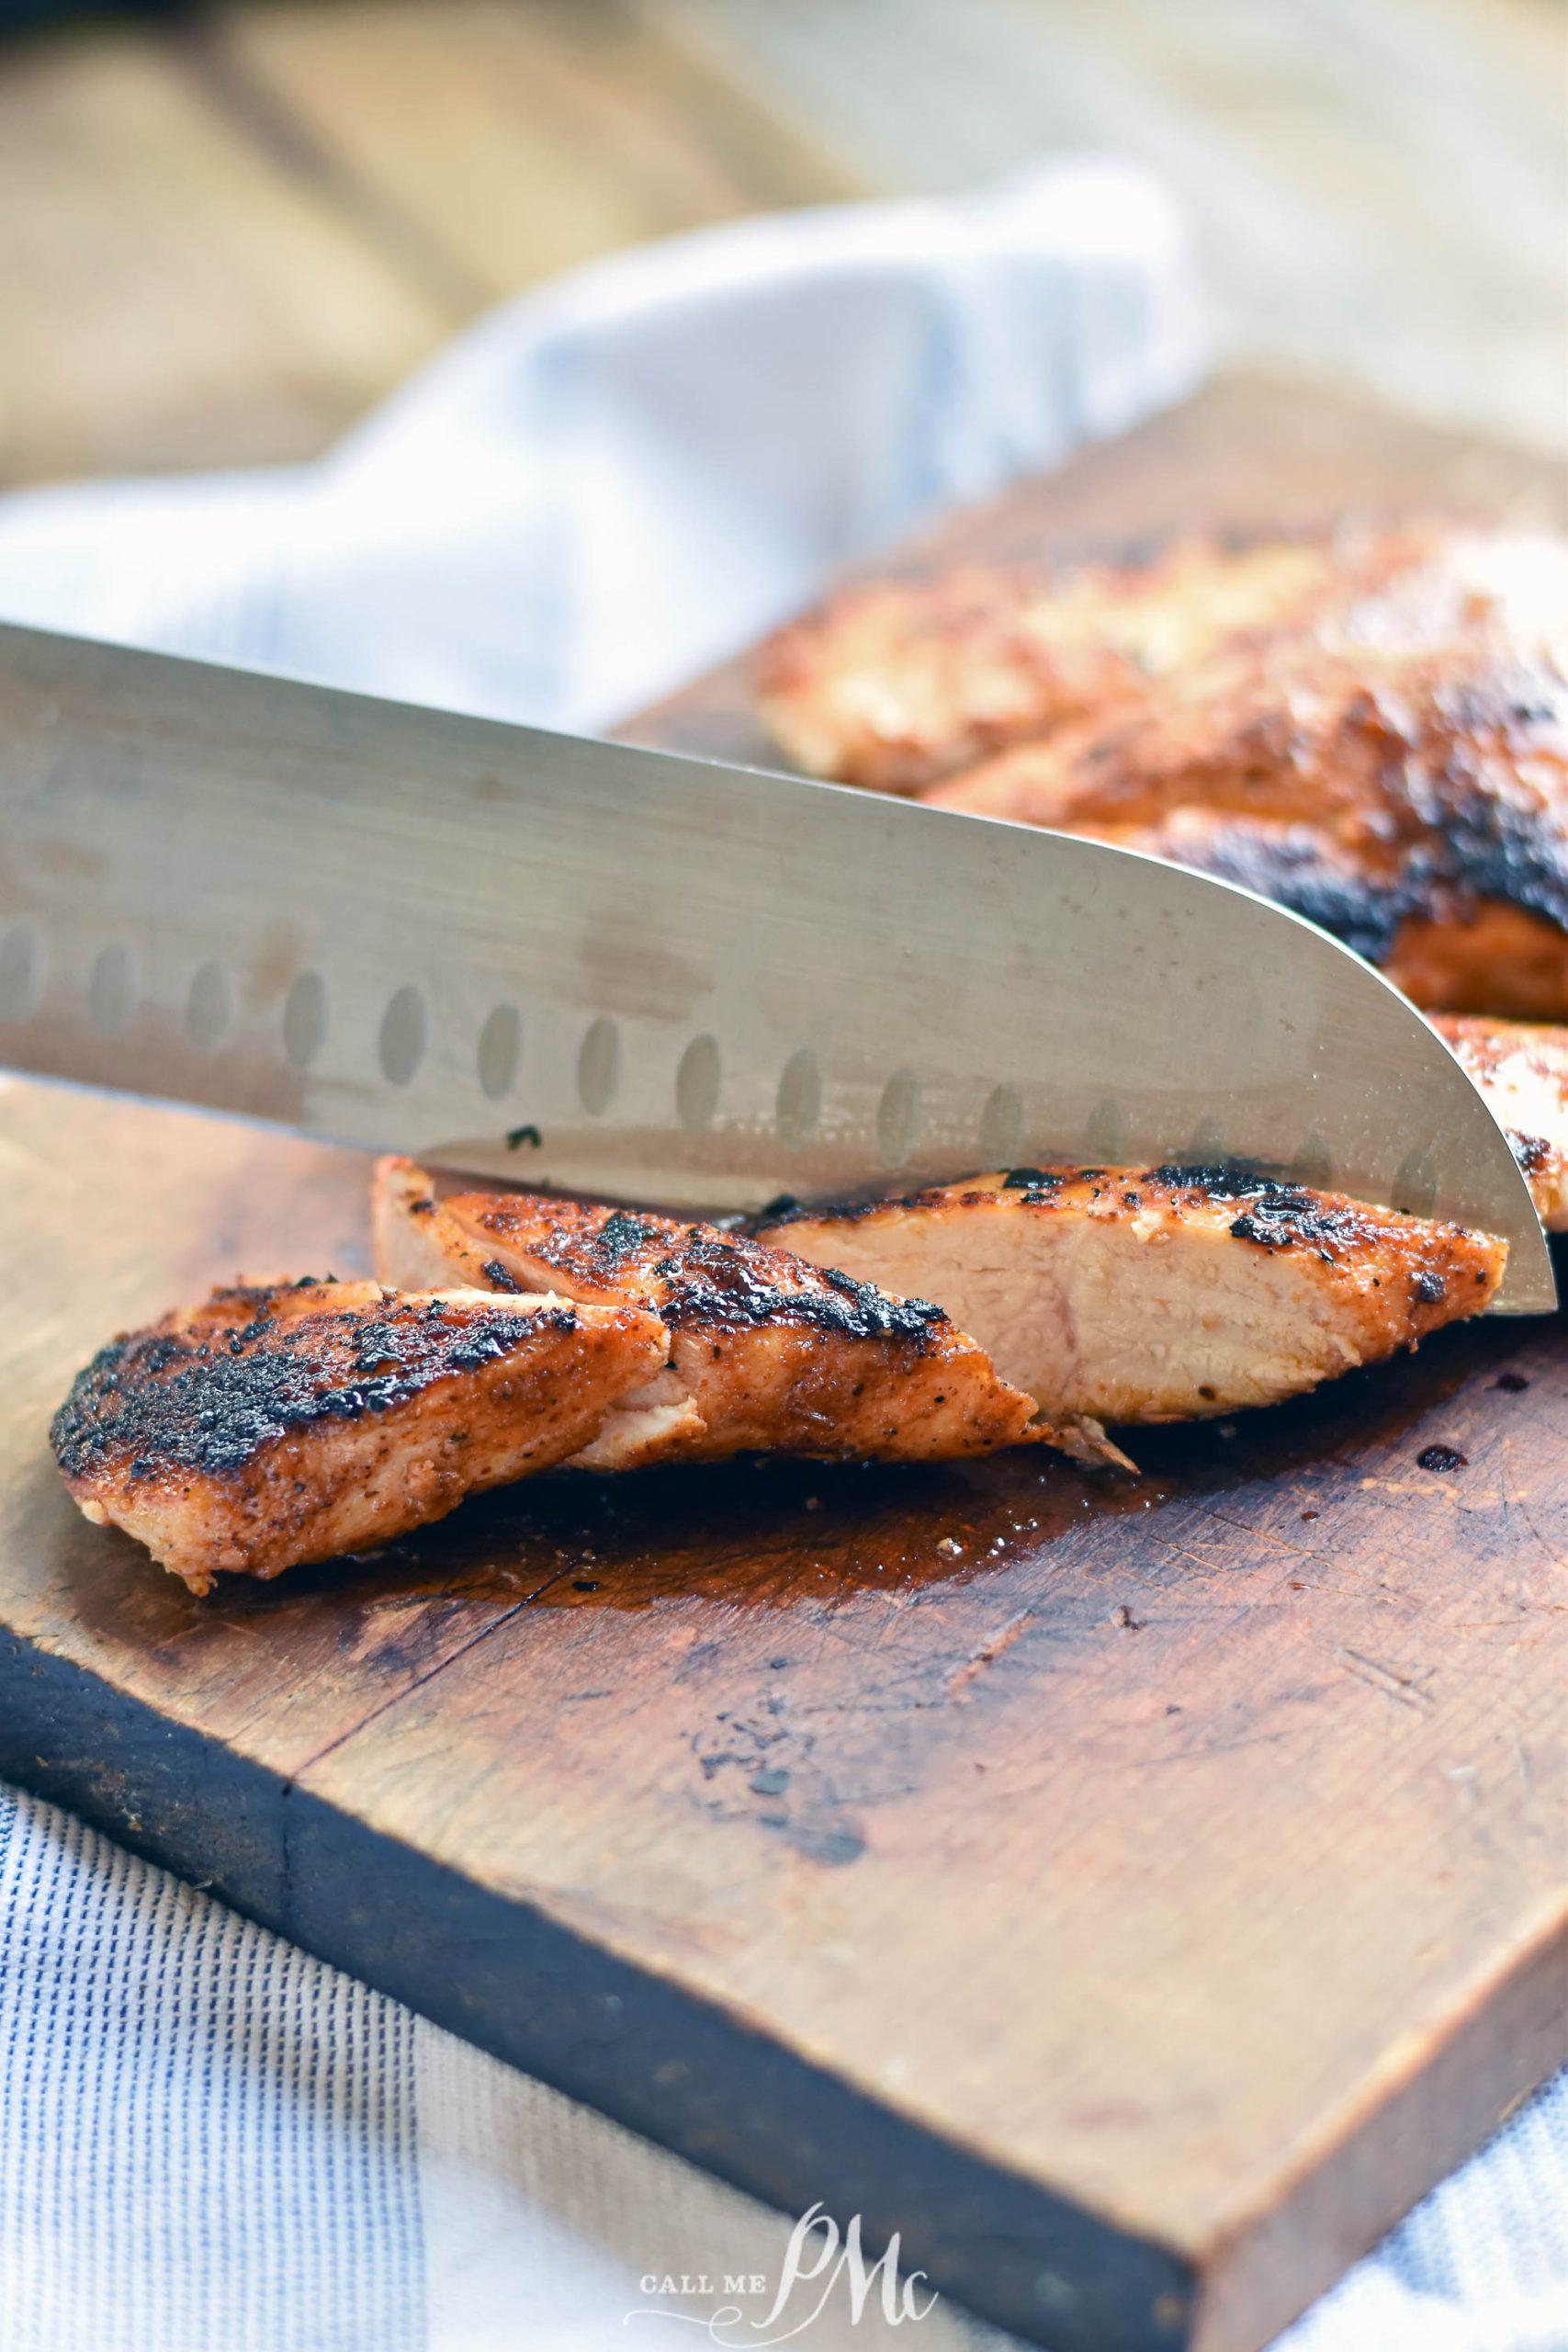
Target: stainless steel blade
{"points": [[667, 979]]}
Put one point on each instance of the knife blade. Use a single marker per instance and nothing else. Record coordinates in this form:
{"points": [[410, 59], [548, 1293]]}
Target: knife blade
{"points": [[579, 964]]}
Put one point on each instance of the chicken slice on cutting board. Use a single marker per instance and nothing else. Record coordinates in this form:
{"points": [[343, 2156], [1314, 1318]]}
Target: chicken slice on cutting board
{"points": [[897, 682], [275, 1424], [1521, 1066], [765, 1352], [1130, 1294]]}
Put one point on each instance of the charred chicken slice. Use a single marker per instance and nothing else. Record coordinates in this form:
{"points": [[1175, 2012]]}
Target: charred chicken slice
{"points": [[278, 1424], [764, 1351], [1167, 1293], [1522, 1069]]}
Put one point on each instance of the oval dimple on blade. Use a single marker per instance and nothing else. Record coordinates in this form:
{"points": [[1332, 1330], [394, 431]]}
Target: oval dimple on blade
{"points": [[697, 1084], [1207, 1147], [404, 1033], [899, 1117], [829, 938], [1313, 1164], [209, 1007], [1002, 1128], [1105, 1137], [599, 1067], [305, 1019], [111, 990], [500, 1051], [799, 1104]]}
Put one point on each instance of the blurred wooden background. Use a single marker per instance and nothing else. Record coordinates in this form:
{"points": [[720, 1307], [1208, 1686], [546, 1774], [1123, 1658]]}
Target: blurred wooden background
{"points": [[225, 231]]}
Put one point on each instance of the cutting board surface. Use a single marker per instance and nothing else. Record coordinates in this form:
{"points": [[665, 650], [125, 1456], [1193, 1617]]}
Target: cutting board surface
{"points": [[1137, 1892]]}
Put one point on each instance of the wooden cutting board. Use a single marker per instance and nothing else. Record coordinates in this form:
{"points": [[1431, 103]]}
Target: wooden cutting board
{"points": [[1136, 1892]]}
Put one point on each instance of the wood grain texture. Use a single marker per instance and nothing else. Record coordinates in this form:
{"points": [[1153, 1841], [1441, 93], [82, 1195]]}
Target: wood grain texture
{"points": [[491, 144], [1137, 1906], [225, 233], [173, 293]]}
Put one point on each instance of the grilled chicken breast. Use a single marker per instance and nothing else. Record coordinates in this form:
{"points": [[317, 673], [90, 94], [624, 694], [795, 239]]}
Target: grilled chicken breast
{"points": [[1415, 803], [898, 683], [764, 1351], [278, 1424], [1371, 727], [1157, 1295], [1522, 1069]]}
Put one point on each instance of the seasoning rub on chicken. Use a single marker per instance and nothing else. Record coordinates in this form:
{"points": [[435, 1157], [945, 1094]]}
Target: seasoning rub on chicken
{"points": [[764, 1351], [1130, 1294], [278, 1424]]}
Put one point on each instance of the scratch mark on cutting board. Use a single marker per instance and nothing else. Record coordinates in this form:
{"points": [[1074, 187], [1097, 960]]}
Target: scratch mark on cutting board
{"points": [[987, 1653], [1400, 1686]]}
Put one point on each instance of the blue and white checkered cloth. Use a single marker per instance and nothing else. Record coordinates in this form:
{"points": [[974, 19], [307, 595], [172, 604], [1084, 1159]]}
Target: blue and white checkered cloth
{"points": [[210, 2141]]}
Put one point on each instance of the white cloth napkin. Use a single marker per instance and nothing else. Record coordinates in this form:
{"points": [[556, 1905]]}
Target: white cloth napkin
{"points": [[208, 2141], [606, 485]]}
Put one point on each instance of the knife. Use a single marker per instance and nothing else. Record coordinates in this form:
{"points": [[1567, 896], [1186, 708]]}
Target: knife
{"points": [[577, 963]]}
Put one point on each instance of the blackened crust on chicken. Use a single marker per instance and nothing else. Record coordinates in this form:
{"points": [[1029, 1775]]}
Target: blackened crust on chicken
{"points": [[624, 1238], [734, 1285], [1277, 1215], [1487, 854], [1271, 1212], [209, 1400], [266, 1427], [1532, 1152], [1522, 1069], [1378, 790], [701, 1274]]}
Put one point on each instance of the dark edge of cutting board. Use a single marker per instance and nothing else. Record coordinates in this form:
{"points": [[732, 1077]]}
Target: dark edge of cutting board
{"points": [[631, 2043]]}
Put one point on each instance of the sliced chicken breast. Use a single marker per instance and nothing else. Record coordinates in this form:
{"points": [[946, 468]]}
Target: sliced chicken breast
{"points": [[764, 1351], [898, 683], [1158, 1294], [275, 1424], [1522, 1069]]}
